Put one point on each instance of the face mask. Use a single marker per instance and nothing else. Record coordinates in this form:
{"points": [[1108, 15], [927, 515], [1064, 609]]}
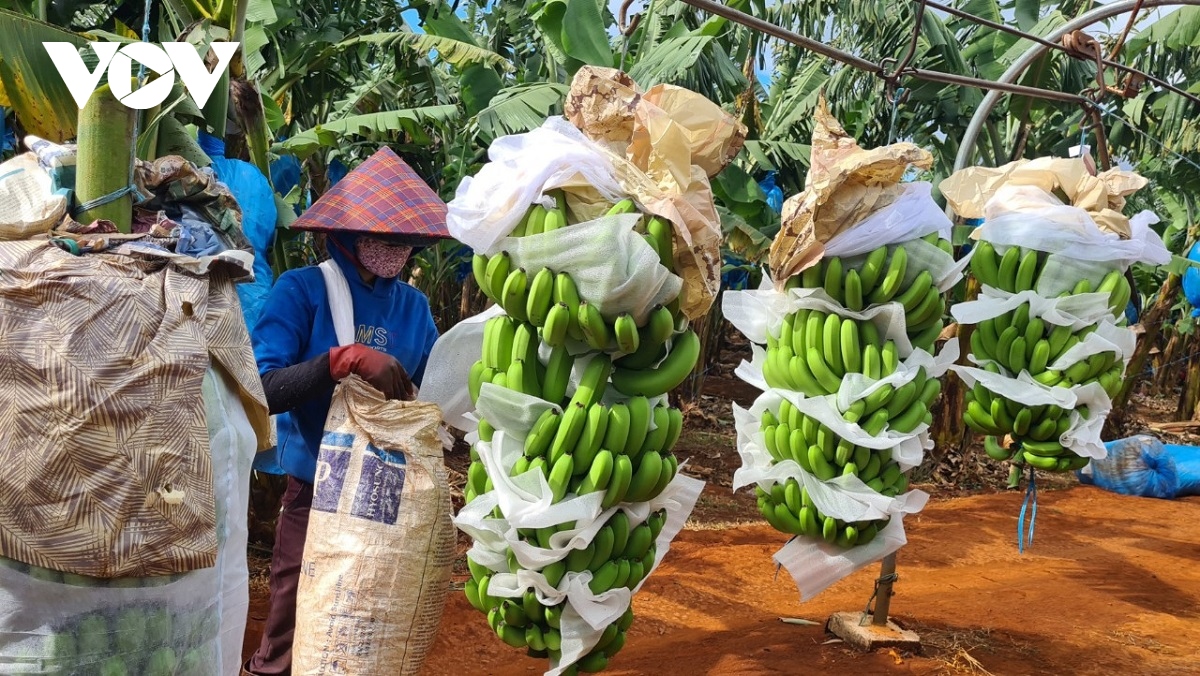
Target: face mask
{"points": [[382, 259]]}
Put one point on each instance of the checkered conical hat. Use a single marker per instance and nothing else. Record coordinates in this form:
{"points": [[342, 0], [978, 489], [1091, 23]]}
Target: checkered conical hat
{"points": [[382, 196]]}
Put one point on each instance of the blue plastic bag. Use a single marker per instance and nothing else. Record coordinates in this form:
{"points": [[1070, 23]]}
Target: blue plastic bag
{"points": [[1139, 465], [1191, 280], [1187, 468], [257, 200], [774, 193]]}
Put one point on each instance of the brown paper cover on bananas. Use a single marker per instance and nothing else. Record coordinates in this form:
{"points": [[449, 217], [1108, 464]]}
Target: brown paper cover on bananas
{"points": [[665, 144], [1102, 195], [845, 184]]}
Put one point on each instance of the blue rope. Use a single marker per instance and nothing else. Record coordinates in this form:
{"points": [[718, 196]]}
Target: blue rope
{"points": [[1030, 501]]}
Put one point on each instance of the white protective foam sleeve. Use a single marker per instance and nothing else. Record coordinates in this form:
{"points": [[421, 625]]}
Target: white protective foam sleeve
{"points": [[844, 497], [758, 313], [1083, 436], [521, 169], [1077, 311], [912, 215], [1029, 217], [527, 502], [612, 265], [586, 614], [816, 565], [449, 367], [908, 448]]}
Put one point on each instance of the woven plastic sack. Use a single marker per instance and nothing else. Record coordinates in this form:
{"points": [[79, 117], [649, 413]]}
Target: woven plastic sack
{"points": [[380, 544], [190, 624], [1138, 465], [28, 204]]}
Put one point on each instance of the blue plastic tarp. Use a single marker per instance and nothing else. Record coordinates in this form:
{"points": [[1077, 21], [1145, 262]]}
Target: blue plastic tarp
{"points": [[1144, 466], [257, 200]]}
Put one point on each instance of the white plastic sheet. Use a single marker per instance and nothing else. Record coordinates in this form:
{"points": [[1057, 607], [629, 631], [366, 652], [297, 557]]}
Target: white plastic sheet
{"points": [[1029, 217], [522, 168], [612, 265], [760, 312], [911, 216]]}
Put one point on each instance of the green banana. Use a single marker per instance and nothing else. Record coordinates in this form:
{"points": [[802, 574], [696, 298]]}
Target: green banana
{"points": [[678, 363]]}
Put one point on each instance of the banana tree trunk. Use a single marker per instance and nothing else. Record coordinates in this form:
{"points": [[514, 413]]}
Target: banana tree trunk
{"points": [[1151, 323], [709, 328], [948, 431], [105, 155], [1165, 372], [1189, 396]]}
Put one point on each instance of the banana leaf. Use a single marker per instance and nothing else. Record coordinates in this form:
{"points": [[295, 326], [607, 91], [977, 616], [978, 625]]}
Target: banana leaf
{"points": [[410, 120], [29, 82]]}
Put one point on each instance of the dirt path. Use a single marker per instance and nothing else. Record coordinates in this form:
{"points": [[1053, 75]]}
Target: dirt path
{"points": [[1112, 585]]}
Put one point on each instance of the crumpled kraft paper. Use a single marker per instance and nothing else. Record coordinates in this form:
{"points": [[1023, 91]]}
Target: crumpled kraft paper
{"points": [[665, 144], [845, 184], [1102, 196]]}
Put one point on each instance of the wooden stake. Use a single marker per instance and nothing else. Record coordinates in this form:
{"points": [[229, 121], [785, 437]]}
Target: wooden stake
{"points": [[883, 594]]}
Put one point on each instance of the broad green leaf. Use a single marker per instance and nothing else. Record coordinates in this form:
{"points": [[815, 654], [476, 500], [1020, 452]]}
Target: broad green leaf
{"points": [[253, 42], [1027, 13], [1047, 24], [451, 51], [478, 84], [29, 82], [577, 30], [1178, 30], [448, 25], [273, 114], [261, 11], [668, 60], [735, 186], [410, 120], [797, 153], [520, 108], [584, 36]]}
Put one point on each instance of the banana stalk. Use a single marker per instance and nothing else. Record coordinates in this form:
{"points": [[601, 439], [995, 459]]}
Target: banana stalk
{"points": [[104, 156]]}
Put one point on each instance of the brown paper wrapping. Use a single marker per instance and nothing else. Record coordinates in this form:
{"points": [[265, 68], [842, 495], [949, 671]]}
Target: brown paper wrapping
{"points": [[665, 143], [845, 184], [1102, 196]]}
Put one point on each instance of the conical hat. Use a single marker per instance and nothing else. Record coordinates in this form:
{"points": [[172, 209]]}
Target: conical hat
{"points": [[382, 196]]}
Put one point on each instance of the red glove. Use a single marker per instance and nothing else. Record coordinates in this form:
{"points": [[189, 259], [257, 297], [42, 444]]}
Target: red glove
{"points": [[379, 369]]}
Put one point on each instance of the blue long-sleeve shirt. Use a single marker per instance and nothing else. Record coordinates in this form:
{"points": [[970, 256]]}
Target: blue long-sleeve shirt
{"points": [[296, 325]]}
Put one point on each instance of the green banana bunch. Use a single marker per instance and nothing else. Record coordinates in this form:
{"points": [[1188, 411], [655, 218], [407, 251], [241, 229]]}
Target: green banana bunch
{"points": [[789, 509], [1016, 341], [879, 278], [621, 555], [815, 350], [603, 437], [789, 434]]}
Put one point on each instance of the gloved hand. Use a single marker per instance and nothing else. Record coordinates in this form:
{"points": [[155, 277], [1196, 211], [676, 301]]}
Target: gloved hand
{"points": [[379, 369]]}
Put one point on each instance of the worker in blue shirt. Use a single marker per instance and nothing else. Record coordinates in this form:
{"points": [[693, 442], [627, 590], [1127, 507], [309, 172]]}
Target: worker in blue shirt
{"points": [[374, 219]]}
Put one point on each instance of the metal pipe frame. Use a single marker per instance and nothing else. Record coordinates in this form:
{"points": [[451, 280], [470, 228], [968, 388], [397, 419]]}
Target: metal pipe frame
{"points": [[966, 148]]}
